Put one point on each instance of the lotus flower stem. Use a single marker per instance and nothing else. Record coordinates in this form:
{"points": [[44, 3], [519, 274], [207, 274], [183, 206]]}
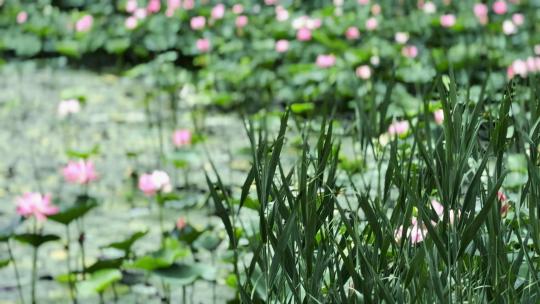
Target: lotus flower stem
{"points": [[68, 262], [81, 240], [17, 277], [34, 265], [34, 274]]}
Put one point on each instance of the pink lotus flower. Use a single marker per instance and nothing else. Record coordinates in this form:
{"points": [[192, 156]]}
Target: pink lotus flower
{"points": [[439, 116], [182, 137], [238, 9], [241, 21], [22, 17], [131, 6], [501, 196], [281, 13], [537, 63], [409, 51], [448, 20], [131, 22], [363, 2], [198, 23], [157, 181], [375, 9], [505, 206], [429, 8], [189, 4], [218, 11], [500, 7], [371, 24], [519, 67], [172, 6], [481, 12], [510, 72], [84, 24], [480, 9], [398, 234], [313, 24], [203, 45], [326, 61], [153, 6], [181, 223], [508, 27], [398, 128], [67, 107], [363, 72], [37, 205], [300, 22], [270, 2], [416, 232], [282, 46], [453, 215], [518, 19], [140, 13], [401, 37], [303, 34], [439, 209], [79, 172], [504, 209], [531, 64], [352, 33]]}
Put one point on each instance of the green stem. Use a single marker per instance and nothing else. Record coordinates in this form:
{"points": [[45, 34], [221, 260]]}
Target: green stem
{"points": [[213, 282], [159, 202], [166, 292], [34, 274], [115, 293], [17, 277], [68, 262], [186, 178], [162, 230], [81, 245], [34, 265], [184, 294]]}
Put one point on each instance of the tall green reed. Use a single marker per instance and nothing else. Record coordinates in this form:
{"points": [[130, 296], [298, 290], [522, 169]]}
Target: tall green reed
{"points": [[327, 235]]}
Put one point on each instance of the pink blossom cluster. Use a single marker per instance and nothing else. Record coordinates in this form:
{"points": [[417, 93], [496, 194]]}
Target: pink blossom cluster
{"points": [[36, 205], [363, 72], [438, 115], [505, 205], [282, 46], [304, 25], [68, 107], [398, 128], [417, 231], [523, 67], [152, 183], [326, 61], [510, 26], [22, 17], [282, 14], [182, 138], [84, 24], [80, 172]]}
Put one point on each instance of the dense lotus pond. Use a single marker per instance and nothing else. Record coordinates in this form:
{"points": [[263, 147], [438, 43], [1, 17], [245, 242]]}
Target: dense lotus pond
{"points": [[34, 144]]}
